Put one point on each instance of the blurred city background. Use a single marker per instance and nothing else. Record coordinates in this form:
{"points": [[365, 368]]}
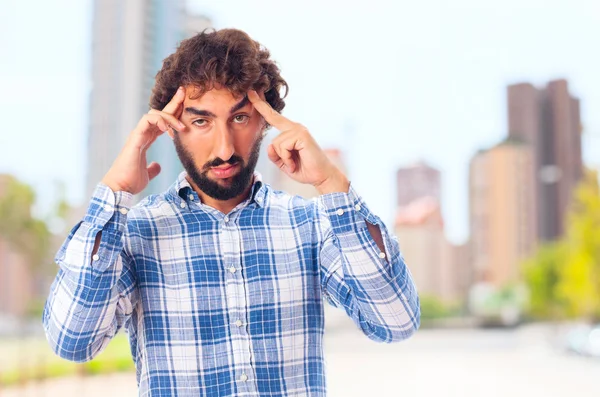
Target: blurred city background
{"points": [[471, 127]]}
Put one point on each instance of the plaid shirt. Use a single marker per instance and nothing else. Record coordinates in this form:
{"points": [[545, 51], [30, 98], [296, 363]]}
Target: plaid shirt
{"points": [[225, 305]]}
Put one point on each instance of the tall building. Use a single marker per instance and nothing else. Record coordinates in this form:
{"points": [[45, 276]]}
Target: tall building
{"points": [[502, 211], [420, 230], [163, 150], [416, 181], [439, 268], [130, 40], [548, 119], [456, 272]]}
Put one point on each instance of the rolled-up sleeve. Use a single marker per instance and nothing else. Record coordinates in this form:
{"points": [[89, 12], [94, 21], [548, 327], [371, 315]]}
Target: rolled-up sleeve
{"points": [[374, 287], [91, 297]]}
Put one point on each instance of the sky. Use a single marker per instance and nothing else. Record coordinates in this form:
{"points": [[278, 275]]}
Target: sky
{"points": [[389, 82]]}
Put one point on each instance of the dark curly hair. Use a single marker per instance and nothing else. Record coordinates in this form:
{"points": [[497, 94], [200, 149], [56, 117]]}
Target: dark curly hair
{"points": [[227, 57]]}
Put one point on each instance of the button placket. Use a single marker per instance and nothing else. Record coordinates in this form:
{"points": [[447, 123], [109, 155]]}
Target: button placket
{"points": [[236, 298]]}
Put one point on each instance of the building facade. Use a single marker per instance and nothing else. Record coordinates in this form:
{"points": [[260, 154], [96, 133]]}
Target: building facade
{"points": [[130, 40], [416, 181], [548, 119], [502, 212]]}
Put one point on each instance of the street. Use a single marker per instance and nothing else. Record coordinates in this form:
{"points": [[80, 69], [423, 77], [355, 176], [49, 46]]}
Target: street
{"points": [[461, 363]]}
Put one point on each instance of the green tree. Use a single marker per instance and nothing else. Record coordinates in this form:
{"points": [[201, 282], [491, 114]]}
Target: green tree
{"points": [[24, 233], [564, 276], [542, 274], [579, 279], [433, 308]]}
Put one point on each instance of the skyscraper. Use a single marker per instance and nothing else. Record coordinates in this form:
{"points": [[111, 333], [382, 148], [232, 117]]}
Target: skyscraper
{"points": [[417, 181], [420, 230], [163, 150], [548, 119], [130, 40], [439, 268], [502, 211]]}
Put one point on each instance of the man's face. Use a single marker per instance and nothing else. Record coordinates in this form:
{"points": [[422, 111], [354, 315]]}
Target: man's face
{"points": [[220, 146]]}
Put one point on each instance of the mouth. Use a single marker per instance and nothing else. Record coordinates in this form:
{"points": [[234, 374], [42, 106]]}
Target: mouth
{"points": [[226, 171]]}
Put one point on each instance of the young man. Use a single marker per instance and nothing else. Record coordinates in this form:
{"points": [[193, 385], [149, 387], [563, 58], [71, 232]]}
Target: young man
{"points": [[220, 280]]}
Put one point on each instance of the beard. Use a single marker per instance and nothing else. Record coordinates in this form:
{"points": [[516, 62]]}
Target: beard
{"points": [[236, 185]]}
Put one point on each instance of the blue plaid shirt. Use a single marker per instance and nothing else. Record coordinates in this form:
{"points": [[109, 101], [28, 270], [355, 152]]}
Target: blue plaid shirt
{"points": [[225, 304]]}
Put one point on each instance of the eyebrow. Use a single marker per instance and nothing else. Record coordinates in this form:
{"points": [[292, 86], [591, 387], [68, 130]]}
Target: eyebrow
{"points": [[199, 112], [206, 113], [239, 105]]}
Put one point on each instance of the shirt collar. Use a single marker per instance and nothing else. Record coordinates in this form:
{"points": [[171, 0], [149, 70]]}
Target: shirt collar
{"points": [[258, 193]]}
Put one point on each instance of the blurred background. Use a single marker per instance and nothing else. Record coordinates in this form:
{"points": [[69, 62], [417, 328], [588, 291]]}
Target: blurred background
{"points": [[472, 128]]}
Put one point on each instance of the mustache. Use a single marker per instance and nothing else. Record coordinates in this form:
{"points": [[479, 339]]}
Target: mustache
{"points": [[233, 160]]}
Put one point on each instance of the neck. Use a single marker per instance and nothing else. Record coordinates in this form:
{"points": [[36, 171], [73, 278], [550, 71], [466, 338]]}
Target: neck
{"points": [[224, 206]]}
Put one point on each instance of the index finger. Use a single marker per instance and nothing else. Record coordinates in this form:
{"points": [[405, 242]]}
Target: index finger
{"points": [[175, 102], [271, 115]]}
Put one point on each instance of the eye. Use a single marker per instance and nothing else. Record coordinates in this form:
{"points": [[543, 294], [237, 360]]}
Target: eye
{"points": [[200, 122], [240, 118]]}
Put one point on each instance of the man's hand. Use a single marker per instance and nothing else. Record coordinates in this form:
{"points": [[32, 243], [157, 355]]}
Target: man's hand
{"points": [[297, 154], [130, 171]]}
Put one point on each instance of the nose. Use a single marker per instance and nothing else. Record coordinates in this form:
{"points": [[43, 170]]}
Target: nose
{"points": [[223, 147]]}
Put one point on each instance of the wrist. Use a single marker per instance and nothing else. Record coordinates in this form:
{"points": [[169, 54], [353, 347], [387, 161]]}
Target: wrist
{"points": [[115, 187], [335, 183]]}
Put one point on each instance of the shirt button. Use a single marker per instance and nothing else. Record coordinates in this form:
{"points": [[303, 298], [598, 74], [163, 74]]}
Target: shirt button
{"points": [[244, 377], [382, 255], [123, 211], [232, 269], [182, 205], [239, 323], [226, 219], [96, 257], [108, 207], [340, 212], [191, 196], [357, 207], [259, 199]]}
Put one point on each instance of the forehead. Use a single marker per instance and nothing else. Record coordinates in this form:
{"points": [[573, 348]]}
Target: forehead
{"points": [[215, 99]]}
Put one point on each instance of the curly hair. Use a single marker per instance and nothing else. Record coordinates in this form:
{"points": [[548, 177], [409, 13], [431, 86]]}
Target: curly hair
{"points": [[227, 57]]}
